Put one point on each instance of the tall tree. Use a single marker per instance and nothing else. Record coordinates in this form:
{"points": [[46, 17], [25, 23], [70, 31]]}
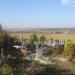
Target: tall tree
{"points": [[2, 34], [33, 38]]}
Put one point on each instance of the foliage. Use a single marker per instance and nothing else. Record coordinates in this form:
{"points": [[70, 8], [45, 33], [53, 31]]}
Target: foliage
{"points": [[68, 43], [35, 62], [49, 52], [33, 38], [42, 38], [2, 34], [1, 42], [68, 48], [8, 48], [6, 70]]}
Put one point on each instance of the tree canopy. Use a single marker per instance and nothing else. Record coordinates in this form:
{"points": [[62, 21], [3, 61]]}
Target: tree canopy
{"points": [[33, 38], [68, 43], [68, 49], [42, 38]]}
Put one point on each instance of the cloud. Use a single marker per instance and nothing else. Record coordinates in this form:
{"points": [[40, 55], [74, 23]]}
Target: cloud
{"points": [[67, 2]]}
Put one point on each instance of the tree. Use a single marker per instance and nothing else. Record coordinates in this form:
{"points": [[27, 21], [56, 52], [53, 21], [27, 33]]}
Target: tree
{"points": [[42, 38], [33, 38], [8, 48], [68, 43], [2, 34], [68, 49]]}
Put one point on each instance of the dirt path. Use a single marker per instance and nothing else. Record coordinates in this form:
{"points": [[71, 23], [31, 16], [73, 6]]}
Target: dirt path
{"points": [[66, 66]]}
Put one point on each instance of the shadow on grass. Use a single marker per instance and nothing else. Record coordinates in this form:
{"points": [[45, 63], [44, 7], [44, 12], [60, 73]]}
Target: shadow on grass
{"points": [[54, 71]]}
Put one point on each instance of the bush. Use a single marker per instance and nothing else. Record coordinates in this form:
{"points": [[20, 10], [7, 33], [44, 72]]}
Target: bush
{"points": [[6, 70]]}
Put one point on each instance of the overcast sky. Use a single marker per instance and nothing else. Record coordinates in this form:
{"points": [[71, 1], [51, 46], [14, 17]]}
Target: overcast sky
{"points": [[37, 13]]}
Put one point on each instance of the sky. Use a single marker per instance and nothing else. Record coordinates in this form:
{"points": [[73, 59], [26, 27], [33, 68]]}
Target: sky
{"points": [[37, 13]]}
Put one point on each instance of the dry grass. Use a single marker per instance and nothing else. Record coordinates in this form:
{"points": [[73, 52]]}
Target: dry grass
{"points": [[48, 36]]}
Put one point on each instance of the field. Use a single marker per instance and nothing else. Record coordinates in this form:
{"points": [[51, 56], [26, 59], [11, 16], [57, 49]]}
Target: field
{"points": [[48, 36]]}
